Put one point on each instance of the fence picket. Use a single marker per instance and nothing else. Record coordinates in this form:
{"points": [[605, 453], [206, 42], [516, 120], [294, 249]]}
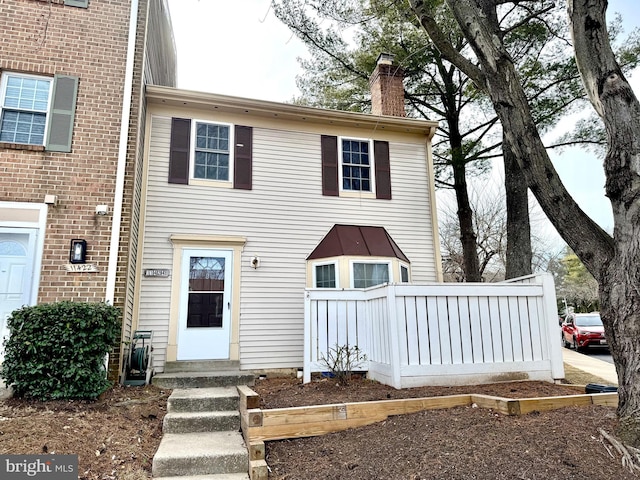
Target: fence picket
{"points": [[437, 330]]}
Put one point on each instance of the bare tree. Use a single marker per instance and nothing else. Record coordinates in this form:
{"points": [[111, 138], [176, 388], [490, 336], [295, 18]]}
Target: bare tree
{"points": [[491, 226], [613, 260]]}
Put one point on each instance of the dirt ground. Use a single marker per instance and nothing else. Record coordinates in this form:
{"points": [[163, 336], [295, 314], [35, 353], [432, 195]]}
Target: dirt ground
{"points": [[459, 443], [114, 437], [117, 436]]}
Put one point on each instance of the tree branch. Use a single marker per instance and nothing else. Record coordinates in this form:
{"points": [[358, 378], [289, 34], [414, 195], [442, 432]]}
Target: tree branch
{"points": [[443, 45]]}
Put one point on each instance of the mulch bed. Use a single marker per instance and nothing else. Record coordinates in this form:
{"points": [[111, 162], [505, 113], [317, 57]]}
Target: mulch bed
{"points": [[456, 443], [291, 392], [115, 437]]}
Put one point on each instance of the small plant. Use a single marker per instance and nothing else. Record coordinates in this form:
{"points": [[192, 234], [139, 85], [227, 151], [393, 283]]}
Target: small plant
{"points": [[342, 360], [57, 350]]}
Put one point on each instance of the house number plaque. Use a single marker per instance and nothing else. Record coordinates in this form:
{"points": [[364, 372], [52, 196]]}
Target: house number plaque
{"points": [[81, 267], [157, 272]]}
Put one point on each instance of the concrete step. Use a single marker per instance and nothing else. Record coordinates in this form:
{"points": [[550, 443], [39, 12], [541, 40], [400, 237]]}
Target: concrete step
{"points": [[220, 476], [193, 422], [200, 454], [218, 378], [201, 366], [203, 399]]}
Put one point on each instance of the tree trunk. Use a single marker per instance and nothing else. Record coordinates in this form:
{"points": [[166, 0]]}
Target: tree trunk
{"points": [[471, 264], [615, 262], [518, 227], [619, 281]]}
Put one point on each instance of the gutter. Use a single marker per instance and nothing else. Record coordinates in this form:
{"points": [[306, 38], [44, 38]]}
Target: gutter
{"points": [[122, 156]]}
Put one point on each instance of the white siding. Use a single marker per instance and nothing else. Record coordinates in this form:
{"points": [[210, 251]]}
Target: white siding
{"points": [[283, 218]]}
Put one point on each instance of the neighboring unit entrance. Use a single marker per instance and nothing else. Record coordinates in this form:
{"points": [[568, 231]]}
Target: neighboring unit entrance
{"points": [[17, 253], [204, 324]]}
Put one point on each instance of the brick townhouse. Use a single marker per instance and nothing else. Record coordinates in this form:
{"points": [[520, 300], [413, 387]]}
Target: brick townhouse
{"points": [[72, 74]]}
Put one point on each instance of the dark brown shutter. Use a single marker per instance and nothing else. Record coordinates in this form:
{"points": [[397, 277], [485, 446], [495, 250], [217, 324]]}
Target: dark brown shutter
{"points": [[383, 169], [242, 177], [179, 151], [63, 110], [329, 148]]}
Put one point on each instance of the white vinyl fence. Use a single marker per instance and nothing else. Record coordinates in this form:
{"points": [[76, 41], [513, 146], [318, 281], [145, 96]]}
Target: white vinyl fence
{"points": [[440, 334]]}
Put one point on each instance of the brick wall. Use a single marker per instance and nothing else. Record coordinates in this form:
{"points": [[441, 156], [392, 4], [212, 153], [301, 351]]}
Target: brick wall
{"points": [[48, 38]]}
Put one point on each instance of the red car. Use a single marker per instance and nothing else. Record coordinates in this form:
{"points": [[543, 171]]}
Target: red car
{"points": [[582, 330]]}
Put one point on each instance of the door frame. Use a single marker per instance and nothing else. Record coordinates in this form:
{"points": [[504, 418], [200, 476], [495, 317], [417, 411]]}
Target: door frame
{"points": [[183, 242], [16, 217]]}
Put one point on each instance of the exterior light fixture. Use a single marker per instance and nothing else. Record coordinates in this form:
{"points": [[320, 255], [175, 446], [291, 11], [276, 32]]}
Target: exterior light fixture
{"points": [[78, 251], [102, 210]]}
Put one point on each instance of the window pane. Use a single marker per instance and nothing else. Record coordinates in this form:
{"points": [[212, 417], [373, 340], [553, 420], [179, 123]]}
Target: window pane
{"points": [[211, 166], [211, 159], [370, 274], [204, 310], [356, 169], [206, 274], [326, 276], [206, 292], [22, 127], [25, 101], [404, 274]]}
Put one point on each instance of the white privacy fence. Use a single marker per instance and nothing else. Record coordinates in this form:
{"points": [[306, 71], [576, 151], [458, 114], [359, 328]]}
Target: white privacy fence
{"points": [[440, 334]]}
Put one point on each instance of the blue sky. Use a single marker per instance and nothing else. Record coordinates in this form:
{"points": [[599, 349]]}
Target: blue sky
{"points": [[239, 48]]}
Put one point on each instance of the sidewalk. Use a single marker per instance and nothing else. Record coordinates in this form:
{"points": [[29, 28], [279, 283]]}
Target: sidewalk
{"points": [[593, 366]]}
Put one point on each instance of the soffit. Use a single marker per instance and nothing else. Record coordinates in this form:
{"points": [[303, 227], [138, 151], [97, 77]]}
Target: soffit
{"points": [[173, 97]]}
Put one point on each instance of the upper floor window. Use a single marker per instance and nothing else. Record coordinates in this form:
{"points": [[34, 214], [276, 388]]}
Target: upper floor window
{"points": [[356, 171], [207, 152], [212, 154], [24, 102]]}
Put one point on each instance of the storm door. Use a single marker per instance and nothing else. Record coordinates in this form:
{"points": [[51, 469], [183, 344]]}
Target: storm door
{"points": [[205, 305]]}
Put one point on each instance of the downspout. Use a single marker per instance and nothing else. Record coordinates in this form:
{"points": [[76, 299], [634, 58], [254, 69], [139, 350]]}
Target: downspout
{"points": [[122, 156]]}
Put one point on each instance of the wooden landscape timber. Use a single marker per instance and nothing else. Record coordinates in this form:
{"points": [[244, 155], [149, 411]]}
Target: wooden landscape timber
{"points": [[250, 400], [260, 425]]}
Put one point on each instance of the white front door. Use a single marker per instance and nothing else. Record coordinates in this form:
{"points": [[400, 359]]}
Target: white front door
{"points": [[17, 255], [204, 324]]}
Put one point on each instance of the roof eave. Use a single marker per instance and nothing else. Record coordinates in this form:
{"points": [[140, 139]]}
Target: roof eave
{"points": [[210, 101]]}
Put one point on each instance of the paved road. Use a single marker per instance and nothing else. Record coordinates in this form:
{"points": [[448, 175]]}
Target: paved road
{"points": [[600, 355]]}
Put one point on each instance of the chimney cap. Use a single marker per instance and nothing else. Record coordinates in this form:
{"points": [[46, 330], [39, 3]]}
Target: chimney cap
{"points": [[385, 59]]}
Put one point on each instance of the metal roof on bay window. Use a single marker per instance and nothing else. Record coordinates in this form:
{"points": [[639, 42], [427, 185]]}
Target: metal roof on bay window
{"points": [[354, 240]]}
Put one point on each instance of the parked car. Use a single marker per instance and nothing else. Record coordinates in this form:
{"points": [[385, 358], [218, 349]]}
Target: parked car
{"points": [[582, 330]]}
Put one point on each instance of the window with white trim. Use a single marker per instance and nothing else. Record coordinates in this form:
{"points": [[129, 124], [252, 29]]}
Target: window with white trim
{"points": [[325, 275], [370, 274], [356, 165], [211, 157], [404, 274], [24, 106]]}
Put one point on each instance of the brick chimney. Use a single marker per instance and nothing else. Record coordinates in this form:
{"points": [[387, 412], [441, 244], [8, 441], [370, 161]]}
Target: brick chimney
{"points": [[387, 90]]}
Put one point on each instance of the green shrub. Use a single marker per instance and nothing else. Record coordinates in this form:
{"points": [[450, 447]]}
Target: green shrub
{"points": [[57, 350]]}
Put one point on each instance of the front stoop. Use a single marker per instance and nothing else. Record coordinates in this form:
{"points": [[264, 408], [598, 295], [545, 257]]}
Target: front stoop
{"points": [[202, 439], [217, 378]]}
